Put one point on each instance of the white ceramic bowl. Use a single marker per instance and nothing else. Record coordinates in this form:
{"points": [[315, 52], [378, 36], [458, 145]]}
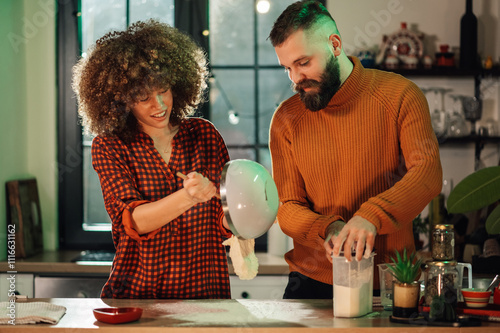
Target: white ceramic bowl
{"points": [[249, 197]]}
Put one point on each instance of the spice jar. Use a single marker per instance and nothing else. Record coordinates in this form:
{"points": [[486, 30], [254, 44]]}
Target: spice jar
{"points": [[445, 58], [443, 242], [441, 280]]}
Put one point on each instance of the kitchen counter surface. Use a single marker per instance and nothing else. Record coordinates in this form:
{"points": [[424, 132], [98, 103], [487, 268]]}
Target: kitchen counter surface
{"points": [[228, 316], [60, 262]]}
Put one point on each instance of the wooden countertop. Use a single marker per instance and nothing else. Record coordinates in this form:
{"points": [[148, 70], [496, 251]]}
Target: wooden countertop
{"points": [[229, 316], [60, 262]]}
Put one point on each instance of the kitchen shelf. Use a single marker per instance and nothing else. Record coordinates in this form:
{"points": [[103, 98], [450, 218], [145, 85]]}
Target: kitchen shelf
{"points": [[477, 140], [446, 71], [478, 75], [470, 139]]}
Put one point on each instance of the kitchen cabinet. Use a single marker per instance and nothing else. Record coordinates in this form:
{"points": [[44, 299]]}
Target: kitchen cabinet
{"points": [[78, 286], [260, 287], [19, 284], [68, 286], [53, 274], [36, 286], [81, 286]]}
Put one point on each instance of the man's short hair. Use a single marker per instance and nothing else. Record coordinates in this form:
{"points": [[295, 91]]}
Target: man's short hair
{"points": [[299, 15]]}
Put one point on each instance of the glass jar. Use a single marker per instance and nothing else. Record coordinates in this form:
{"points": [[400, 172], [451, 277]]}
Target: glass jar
{"points": [[441, 279], [443, 242]]}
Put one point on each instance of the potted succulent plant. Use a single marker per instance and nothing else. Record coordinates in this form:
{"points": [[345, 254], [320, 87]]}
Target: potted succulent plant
{"points": [[406, 294]]}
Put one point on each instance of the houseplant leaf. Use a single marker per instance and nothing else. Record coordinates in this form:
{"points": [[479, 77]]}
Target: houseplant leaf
{"points": [[405, 268], [475, 191], [493, 222]]}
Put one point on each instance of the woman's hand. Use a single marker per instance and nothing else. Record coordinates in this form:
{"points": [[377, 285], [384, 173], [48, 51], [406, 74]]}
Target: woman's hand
{"points": [[153, 215], [199, 188]]}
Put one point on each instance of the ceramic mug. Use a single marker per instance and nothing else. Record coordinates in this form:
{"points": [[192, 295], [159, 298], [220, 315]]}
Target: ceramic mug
{"points": [[496, 295], [491, 248], [460, 268]]}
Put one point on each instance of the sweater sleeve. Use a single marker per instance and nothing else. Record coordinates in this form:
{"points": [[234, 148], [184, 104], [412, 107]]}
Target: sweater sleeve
{"points": [[222, 159], [118, 188], [295, 217], [423, 178]]}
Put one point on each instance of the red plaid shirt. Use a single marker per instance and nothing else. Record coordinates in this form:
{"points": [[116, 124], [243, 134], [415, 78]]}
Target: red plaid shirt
{"points": [[184, 258]]}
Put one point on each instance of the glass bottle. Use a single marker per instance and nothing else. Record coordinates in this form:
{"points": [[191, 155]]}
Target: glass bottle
{"points": [[468, 38], [457, 124]]}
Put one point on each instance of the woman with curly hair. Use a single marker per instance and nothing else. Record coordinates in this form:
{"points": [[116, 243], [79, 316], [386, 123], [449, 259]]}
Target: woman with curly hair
{"points": [[136, 89]]}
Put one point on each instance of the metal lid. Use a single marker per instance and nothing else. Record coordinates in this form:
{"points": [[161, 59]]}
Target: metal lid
{"points": [[444, 226], [249, 198], [442, 263]]}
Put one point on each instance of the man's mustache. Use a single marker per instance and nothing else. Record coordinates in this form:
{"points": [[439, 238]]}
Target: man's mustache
{"points": [[306, 84]]}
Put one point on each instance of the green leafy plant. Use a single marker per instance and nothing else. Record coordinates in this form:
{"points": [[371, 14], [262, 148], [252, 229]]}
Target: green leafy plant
{"points": [[420, 225], [405, 269], [476, 191]]}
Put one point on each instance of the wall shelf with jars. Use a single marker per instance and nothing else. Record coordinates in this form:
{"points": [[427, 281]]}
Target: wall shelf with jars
{"points": [[448, 71]]}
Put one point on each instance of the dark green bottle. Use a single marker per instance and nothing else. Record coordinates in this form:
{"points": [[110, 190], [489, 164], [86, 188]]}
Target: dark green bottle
{"points": [[468, 38]]}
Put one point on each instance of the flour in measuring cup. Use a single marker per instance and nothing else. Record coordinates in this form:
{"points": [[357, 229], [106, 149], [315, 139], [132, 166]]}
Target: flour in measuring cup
{"points": [[352, 301]]}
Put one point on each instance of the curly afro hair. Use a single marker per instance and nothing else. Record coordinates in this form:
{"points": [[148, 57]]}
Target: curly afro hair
{"points": [[125, 66]]}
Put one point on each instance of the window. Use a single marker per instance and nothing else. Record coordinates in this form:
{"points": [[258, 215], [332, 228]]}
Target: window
{"points": [[246, 86], [247, 83], [96, 18]]}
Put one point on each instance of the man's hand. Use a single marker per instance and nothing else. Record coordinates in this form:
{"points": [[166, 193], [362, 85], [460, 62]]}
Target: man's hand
{"points": [[331, 233], [359, 234]]}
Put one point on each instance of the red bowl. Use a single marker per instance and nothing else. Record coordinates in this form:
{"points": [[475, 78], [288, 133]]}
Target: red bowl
{"points": [[476, 298], [476, 293], [117, 315]]}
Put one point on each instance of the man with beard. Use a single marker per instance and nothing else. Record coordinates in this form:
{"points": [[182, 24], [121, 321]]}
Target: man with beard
{"points": [[354, 155]]}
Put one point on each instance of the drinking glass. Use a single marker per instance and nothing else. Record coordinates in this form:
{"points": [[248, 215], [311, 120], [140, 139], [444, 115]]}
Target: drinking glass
{"points": [[439, 118], [472, 111], [491, 127], [457, 126], [386, 281]]}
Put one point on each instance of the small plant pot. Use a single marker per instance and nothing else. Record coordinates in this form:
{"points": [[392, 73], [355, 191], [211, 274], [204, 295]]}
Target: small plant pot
{"points": [[405, 299]]}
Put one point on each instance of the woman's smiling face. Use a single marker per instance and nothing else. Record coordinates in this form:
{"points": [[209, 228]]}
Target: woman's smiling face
{"points": [[153, 111]]}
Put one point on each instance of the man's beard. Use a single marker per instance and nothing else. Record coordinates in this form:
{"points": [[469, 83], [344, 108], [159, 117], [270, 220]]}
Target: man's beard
{"points": [[327, 87]]}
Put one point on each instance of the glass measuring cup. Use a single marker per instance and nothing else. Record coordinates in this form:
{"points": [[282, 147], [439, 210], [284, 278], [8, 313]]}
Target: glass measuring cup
{"points": [[386, 280], [352, 286]]}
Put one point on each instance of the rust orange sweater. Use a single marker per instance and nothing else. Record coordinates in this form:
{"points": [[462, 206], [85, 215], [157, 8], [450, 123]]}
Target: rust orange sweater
{"points": [[371, 152]]}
